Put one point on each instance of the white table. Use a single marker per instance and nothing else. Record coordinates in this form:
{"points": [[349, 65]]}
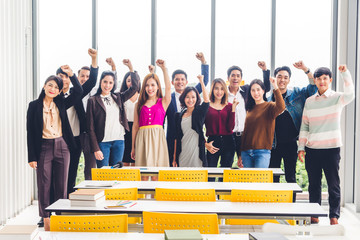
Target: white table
{"points": [[281, 211], [157, 236], [224, 188], [212, 172]]}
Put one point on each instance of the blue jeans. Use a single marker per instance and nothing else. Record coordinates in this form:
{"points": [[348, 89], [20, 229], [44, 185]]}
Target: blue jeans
{"points": [[113, 151], [256, 158]]}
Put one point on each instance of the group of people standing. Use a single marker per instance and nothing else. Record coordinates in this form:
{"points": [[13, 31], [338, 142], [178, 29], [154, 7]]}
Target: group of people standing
{"points": [[127, 124]]}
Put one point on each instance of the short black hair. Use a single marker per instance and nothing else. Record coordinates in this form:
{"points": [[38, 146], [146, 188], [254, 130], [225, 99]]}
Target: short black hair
{"points": [[185, 92], [56, 79], [322, 71], [59, 70], [84, 68], [103, 75], [232, 68], [179, 71], [283, 68]]}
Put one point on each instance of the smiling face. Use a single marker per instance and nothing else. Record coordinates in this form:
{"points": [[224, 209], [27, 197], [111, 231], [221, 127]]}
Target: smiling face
{"points": [[107, 84], [83, 76], [190, 99], [151, 87], [257, 93], [219, 91], [235, 78], [323, 83], [179, 82], [51, 89], [283, 79]]}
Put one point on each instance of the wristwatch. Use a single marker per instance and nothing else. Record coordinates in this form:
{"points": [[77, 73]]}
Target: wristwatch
{"points": [[307, 71]]}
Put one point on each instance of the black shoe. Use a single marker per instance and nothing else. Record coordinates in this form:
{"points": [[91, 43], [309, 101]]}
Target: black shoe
{"points": [[41, 222]]}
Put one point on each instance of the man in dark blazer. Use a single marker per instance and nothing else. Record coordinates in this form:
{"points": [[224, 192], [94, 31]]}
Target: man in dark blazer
{"points": [[76, 114], [179, 80]]}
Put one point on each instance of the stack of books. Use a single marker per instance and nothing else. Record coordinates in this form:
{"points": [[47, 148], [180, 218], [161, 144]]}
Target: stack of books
{"points": [[19, 232], [87, 197]]}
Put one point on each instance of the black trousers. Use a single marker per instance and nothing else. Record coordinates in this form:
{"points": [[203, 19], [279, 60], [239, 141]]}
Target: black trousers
{"points": [[226, 151], [74, 163], [128, 144], [288, 152], [237, 140], [328, 160], [90, 161]]}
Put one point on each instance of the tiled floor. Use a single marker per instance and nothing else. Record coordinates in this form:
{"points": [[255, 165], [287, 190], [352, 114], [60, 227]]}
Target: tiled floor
{"points": [[348, 219]]}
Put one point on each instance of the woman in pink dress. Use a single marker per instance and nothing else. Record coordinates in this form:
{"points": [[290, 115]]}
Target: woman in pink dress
{"points": [[149, 147]]}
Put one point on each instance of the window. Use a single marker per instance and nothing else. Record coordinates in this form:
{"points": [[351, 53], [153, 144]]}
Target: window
{"points": [[64, 35], [183, 29], [303, 32], [124, 32], [243, 34]]}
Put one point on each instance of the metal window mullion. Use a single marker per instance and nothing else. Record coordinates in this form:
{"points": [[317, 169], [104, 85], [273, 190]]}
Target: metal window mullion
{"points": [[212, 41], [153, 31]]}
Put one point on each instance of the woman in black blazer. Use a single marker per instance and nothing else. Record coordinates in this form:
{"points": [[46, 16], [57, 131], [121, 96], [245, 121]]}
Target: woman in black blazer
{"points": [[106, 118], [189, 136], [49, 138]]}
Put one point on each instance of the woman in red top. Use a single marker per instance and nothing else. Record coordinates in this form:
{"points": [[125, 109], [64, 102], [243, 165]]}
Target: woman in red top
{"points": [[219, 122]]}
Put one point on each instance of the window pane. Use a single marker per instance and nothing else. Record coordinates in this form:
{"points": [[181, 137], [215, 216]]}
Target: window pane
{"points": [[242, 36], [183, 29], [124, 32], [64, 35], [303, 32]]}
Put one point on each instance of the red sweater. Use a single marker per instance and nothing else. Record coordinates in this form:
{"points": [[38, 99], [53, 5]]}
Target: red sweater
{"points": [[220, 122]]}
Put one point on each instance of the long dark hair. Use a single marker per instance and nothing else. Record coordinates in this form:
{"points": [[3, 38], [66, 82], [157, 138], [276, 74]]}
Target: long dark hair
{"points": [[124, 86], [54, 78], [103, 75], [143, 97], [185, 92], [224, 99], [250, 101]]}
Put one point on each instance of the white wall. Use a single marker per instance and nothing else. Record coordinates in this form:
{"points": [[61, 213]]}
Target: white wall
{"points": [[16, 177]]}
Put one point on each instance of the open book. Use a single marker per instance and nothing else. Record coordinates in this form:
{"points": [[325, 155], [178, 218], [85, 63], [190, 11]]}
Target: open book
{"points": [[123, 204], [101, 184]]}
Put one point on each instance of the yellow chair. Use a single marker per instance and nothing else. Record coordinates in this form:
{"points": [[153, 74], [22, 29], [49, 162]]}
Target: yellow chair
{"points": [[259, 196], [260, 176], [124, 194], [101, 174], [94, 223], [165, 194], [183, 175], [121, 194], [155, 222]]}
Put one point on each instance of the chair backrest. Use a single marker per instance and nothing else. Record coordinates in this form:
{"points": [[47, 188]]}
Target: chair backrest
{"points": [[262, 176], [168, 194], [183, 175], [93, 223], [101, 174], [121, 194], [155, 222], [261, 196], [329, 230]]}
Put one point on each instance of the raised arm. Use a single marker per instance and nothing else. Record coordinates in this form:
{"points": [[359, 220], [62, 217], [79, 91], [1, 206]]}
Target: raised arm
{"points": [[167, 98], [90, 84], [111, 63], [266, 75], [349, 92], [300, 65], [152, 69], [135, 129], [205, 92], [279, 101], [204, 70], [77, 90]]}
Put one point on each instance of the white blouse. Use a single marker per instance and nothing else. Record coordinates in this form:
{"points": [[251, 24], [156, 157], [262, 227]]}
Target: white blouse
{"points": [[113, 128]]}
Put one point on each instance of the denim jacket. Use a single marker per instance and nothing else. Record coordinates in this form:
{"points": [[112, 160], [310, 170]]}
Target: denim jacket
{"points": [[294, 102]]}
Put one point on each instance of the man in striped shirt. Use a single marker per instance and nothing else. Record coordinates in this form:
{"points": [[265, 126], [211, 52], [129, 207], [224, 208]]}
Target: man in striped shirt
{"points": [[320, 137]]}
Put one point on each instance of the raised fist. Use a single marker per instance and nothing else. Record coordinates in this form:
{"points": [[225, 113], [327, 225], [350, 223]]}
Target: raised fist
{"points": [[67, 70], [110, 61], [160, 63], [151, 68], [262, 65], [342, 68], [300, 65], [92, 52], [201, 78], [201, 57]]}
